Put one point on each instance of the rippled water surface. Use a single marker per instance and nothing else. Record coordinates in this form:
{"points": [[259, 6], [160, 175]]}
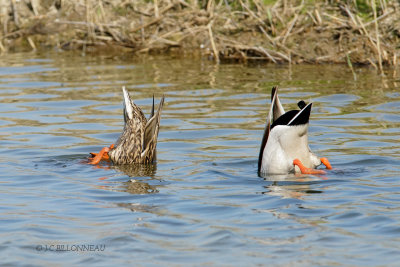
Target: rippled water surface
{"points": [[203, 203]]}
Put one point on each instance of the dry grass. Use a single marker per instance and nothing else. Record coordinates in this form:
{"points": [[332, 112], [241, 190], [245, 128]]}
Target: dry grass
{"points": [[282, 32]]}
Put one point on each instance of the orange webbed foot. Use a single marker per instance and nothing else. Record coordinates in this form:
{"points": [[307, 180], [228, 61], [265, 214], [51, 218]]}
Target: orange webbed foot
{"points": [[99, 156], [102, 155], [305, 170], [326, 162]]}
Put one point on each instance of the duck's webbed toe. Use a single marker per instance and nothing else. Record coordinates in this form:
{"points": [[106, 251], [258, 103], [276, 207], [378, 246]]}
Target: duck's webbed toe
{"points": [[102, 155], [326, 162], [305, 170]]}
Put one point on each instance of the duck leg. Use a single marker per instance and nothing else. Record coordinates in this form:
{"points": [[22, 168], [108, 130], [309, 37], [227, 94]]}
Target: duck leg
{"points": [[102, 155], [326, 162], [305, 170]]}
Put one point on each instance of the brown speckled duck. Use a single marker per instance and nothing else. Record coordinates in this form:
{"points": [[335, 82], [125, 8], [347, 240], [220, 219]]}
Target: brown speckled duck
{"points": [[137, 143]]}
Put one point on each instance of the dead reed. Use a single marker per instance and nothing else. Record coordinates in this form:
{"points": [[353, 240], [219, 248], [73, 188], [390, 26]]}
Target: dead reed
{"points": [[355, 31]]}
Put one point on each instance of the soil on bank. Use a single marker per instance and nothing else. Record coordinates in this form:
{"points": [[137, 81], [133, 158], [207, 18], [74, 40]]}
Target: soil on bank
{"points": [[282, 31]]}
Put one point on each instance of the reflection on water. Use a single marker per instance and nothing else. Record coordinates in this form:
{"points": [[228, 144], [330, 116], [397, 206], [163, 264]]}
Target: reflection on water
{"points": [[137, 187], [202, 203], [136, 170], [295, 187]]}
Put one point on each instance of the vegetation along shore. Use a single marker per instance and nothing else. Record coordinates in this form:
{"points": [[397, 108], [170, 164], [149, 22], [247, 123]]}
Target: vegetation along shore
{"points": [[279, 31]]}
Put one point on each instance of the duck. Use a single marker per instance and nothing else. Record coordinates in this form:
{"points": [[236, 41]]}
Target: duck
{"points": [[284, 146], [138, 140]]}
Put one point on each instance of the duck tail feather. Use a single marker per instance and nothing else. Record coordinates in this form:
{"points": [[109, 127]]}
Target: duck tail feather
{"points": [[151, 131], [302, 117], [277, 108], [131, 110], [128, 108], [301, 104]]}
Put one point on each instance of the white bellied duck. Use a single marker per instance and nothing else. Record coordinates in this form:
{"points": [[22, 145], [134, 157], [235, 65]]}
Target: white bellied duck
{"points": [[284, 147]]}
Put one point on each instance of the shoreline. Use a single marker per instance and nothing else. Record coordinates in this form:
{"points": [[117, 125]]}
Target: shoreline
{"points": [[281, 32]]}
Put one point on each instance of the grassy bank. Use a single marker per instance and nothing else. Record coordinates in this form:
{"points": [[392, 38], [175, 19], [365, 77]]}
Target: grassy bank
{"points": [[282, 31]]}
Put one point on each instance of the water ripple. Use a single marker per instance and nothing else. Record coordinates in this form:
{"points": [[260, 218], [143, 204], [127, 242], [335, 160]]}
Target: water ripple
{"points": [[202, 203]]}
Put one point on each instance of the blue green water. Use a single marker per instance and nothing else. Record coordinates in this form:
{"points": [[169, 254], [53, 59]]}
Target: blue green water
{"points": [[203, 203]]}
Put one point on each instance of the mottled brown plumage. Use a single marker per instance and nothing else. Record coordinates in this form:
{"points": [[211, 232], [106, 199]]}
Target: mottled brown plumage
{"points": [[137, 143]]}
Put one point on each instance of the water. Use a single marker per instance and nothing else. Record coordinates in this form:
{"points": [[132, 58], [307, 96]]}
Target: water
{"points": [[203, 202]]}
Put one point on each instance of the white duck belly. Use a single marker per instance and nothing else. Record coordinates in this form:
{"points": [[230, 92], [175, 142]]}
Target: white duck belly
{"points": [[286, 143], [284, 147], [275, 160]]}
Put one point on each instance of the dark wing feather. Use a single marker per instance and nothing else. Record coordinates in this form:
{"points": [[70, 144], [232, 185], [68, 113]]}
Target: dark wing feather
{"points": [[273, 91], [152, 109], [273, 111], [263, 144]]}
